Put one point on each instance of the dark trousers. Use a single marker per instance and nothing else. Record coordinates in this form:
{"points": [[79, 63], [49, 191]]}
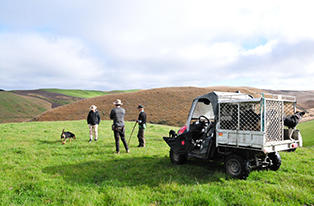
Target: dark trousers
{"points": [[141, 137], [120, 133]]}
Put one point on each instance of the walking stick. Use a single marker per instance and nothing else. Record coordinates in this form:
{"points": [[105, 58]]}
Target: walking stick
{"points": [[132, 132]]}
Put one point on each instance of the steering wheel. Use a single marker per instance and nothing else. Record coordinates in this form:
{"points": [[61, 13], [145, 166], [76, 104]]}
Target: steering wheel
{"points": [[204, 119], [207, 123]]}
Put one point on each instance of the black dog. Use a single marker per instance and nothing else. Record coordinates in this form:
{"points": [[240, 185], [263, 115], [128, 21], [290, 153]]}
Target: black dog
{"points": [[65, 135], [249, 120], [292, 120], [172, 133]]}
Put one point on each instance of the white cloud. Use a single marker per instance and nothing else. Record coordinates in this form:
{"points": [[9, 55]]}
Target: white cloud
{"points": [[36, 57], [262, 50], [142, 44]]}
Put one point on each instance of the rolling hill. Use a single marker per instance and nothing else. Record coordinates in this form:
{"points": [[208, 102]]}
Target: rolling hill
{"points": [[163, 105], [17, 108], [23, 105]]}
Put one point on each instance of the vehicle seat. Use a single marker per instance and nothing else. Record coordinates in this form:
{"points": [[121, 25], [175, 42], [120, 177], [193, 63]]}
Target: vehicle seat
{"points": [[196, 130]]}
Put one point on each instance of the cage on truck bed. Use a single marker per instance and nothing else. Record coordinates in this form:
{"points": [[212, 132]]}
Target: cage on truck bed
{"points": [[244, 131], [256, 122]]}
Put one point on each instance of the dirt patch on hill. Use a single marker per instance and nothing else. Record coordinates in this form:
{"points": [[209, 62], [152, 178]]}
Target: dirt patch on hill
{"points": [[163, 105]]}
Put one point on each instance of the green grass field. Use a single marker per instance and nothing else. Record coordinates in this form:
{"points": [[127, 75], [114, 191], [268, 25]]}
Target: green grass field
{"points": [[36, 169]]}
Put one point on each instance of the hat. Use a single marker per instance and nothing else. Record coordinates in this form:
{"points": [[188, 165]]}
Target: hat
{"points": [[118, 102], [140, 106], [93, 107]]}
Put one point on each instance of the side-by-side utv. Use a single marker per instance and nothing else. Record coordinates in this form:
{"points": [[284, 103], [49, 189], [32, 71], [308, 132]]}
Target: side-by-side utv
{"points": [[243, 131]]}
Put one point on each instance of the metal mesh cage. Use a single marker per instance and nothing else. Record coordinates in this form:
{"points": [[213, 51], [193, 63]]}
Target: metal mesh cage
{"points": [[275, 112], [240, 116], [288, 108], [273, 120], [265, 115], [229, 116]]}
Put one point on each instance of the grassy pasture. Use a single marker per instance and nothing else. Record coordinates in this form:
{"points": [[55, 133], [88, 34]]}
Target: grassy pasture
{"points": [[36, 169]]}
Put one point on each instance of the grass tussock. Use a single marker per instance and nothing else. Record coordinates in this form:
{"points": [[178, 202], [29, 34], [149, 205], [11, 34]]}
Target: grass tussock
{"points": [[36, 169]]}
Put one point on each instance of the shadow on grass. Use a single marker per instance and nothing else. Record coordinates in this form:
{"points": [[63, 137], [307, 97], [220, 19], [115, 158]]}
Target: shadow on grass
{"points": [[134, 171], [59, 141], [49, 142]]}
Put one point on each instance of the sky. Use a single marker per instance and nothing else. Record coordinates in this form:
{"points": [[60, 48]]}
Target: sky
{"points": [[143, 44]]}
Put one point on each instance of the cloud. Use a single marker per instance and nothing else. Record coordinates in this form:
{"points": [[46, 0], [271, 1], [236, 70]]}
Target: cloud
{"points": [[107, 45], [278, 65], [35, 59]]}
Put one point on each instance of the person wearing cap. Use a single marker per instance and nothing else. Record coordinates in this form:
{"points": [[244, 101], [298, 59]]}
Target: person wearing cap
{"points": [[117, 115], [141, 126], [93, 120]]}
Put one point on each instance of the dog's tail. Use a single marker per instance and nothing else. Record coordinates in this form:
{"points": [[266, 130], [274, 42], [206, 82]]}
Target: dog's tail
{"points": [[63, 130]]}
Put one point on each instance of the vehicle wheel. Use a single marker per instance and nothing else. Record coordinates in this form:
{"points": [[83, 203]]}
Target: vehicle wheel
{"points": [[276, 161], [177, 158], [237, 167]]}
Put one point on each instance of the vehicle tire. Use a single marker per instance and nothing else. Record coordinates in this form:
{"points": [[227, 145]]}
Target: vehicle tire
{"points": [[276, 161], [237, 167], [177, 158]]}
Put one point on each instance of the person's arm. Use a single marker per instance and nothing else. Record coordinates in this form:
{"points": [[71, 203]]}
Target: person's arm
{"points": [[98, 115], [88, 118], [111, 114], [139, 120]]}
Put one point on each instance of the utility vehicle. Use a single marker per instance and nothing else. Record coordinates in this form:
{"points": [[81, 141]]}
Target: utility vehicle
{"points": [[242, 131]]}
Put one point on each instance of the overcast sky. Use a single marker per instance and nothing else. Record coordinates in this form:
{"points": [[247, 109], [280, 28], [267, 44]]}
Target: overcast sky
{"points": [[143, 44]]}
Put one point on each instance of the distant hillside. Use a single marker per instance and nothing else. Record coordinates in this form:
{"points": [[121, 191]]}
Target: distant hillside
{"points": [[17, 108], [55, 98], [84, 94], [164, 105], [59, 97], [13, 103]]}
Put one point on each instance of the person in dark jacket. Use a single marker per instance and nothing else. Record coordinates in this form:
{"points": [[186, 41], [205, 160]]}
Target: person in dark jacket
{"points": [[117, 115], [93, 120], [141, 126]]}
